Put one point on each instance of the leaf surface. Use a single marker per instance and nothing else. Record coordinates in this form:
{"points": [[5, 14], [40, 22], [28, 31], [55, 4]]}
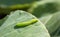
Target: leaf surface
{"points": [[9, 29]]}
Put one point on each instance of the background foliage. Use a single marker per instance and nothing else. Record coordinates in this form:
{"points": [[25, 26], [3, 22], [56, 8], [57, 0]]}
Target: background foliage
{"points": [[46, 11]]}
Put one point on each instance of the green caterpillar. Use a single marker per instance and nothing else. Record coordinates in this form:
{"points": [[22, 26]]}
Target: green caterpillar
{"points": [[26, 23]]}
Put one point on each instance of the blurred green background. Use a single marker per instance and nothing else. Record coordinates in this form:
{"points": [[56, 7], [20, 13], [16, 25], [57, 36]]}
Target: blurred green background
{"points": [[47, 11]]}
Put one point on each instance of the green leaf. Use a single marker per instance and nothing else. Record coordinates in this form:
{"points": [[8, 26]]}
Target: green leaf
{"points": [[52, 22], [9, 29], [47, 12], [11, 5], [55, 36], [6, 6], [43, 8], [45, 19], [57, 32], [15, 2]]}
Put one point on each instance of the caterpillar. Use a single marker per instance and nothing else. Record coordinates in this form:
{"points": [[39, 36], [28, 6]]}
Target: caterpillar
{"points": [[26, 23]]}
